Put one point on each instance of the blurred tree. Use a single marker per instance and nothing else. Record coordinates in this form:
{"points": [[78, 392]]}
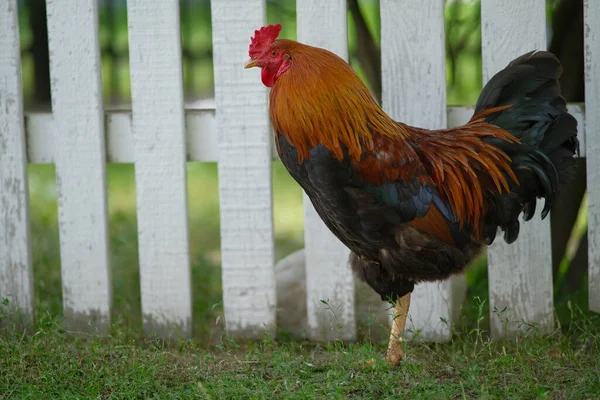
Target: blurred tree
{"points": [[366, 51], [39, 51], [567, 44]]}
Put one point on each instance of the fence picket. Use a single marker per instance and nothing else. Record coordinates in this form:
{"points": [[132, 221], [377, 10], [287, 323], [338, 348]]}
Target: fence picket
{"points": [[16, 280], [414, 92], [520, 274], [592, 118], [160, 170], [247, 247], [329, 280], [80, 162]]}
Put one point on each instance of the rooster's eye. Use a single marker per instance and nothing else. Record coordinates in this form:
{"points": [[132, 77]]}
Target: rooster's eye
{"points": [[273, 52]]}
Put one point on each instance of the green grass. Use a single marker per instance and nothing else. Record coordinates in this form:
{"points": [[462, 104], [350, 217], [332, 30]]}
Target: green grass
{"points": [[52, 363]]}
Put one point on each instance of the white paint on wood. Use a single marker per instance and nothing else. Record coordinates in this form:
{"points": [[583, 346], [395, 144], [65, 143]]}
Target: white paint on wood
{"points": [[159, 145], [414, 92], [39, 130], [202, 139], [80, 162], [592, 118], [520, 274], [119, 143], [414, 80], [329, 286], [16, 280], [247, 247]]}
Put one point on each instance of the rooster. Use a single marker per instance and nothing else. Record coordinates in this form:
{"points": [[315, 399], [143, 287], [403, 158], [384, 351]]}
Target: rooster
{"points": [[413, 204]]}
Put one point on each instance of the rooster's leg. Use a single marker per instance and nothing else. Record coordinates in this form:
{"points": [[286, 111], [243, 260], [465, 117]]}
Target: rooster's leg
{"points": [[395, 353]]}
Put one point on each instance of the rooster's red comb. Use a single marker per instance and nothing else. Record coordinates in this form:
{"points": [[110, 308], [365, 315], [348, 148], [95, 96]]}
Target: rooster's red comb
{"points": [[262, 39]]}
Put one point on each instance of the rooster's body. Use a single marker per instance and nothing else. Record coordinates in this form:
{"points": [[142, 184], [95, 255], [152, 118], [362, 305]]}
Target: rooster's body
{"points": [[412, 204]]}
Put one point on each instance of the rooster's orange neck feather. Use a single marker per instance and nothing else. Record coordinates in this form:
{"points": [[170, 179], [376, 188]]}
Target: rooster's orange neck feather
{"points": [[320, 100]]}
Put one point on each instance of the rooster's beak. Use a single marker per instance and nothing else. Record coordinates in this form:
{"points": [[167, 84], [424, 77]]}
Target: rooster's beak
{"points": [[251, 63]]}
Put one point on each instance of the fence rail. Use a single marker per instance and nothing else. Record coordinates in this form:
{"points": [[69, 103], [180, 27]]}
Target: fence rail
{"points": [[159, 135]]}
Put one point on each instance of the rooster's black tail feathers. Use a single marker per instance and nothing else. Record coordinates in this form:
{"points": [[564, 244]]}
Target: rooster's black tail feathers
{"points": [[538, 117]]}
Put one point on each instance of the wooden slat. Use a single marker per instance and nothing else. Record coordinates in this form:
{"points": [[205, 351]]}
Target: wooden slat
{"points": [[39, 130], [520, 274], [201, 134], [202, 140], [80, 162], [159, 147], [414, 92], [592, 117], [15, 261], [247, 247], [330, 285]]}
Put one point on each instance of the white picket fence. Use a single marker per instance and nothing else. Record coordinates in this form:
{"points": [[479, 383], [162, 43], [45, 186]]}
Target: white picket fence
{"points": [[159, 135]]}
